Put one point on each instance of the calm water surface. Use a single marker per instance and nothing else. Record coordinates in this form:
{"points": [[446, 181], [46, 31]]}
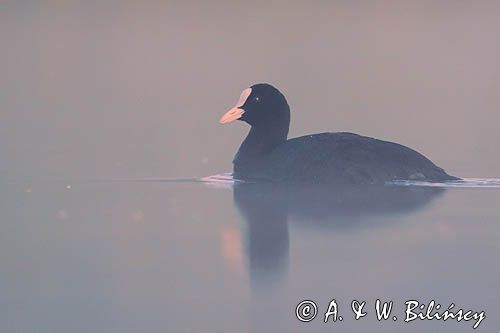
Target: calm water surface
{"points": [[193, 257]]}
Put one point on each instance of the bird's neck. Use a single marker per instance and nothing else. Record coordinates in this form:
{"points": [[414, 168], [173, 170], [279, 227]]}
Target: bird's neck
{"points": [[260, 140]]}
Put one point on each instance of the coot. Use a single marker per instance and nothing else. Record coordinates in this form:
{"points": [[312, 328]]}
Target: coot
{"points": [[343, 158]]}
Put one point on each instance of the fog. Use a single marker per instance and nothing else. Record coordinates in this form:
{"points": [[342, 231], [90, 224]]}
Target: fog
{"points": [[135, 89]]}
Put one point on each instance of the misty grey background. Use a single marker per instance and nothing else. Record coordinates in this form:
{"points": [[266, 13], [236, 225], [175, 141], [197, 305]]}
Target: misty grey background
{"points": [[93, 90], [114, 89]]}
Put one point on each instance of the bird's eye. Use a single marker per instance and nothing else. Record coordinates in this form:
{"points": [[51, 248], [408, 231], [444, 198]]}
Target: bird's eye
{"points": [[257, 98]]}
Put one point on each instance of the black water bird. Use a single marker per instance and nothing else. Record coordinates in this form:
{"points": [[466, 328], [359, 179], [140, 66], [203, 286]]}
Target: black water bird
{"points": [[343, 158]]}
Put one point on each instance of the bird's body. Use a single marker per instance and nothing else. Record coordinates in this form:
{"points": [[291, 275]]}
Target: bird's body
{"points": [[345, 158], [337, 158]]}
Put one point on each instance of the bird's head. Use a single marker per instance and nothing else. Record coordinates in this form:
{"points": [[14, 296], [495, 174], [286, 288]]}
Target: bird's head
{"points": [[260, 105]]}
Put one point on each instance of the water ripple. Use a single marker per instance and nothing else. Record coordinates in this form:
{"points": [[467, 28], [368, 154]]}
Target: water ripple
{"points": [[463, 183]]}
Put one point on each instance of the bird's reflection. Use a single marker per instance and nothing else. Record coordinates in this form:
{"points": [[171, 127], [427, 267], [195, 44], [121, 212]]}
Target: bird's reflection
{"points": [[267, 209], [262, 207]]}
